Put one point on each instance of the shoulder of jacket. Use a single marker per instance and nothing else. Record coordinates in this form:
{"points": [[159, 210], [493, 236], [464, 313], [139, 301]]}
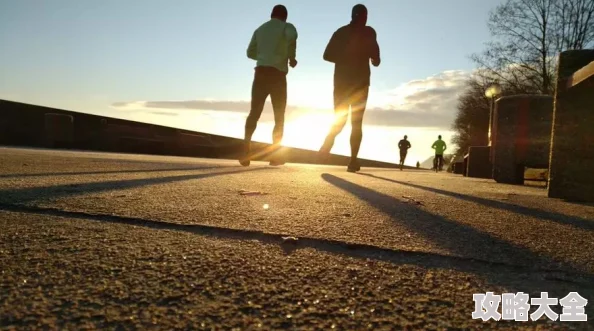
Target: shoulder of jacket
{"points": [[342, 29], [262, 26], [370, 30]]}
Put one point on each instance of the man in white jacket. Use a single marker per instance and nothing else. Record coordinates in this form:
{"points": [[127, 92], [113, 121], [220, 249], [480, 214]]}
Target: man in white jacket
{"points": [[273, 46]]}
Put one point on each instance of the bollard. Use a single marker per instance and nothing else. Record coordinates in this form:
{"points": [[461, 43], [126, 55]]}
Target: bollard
{"points": [[572, 141], [458, 168], [478, 165], [59, 130], [522, 135]]}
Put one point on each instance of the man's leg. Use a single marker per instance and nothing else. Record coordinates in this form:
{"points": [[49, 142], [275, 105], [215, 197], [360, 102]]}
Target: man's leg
{"points": [[358, 105], [260, 91], [438, 162], [341, 112], [278, 96]]}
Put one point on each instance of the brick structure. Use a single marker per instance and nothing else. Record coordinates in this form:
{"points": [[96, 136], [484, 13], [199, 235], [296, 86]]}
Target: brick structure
{"points": [[477, 163], [572, 144], [521, 136]]}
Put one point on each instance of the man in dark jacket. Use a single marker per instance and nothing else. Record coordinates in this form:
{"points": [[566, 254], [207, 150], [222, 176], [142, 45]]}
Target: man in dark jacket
{"points": [[351, 48], [403, 145]]}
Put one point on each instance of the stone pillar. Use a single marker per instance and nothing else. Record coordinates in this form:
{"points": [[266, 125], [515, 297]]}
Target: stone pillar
{"points": [[572, 142], [522, 136], [478, 165]]}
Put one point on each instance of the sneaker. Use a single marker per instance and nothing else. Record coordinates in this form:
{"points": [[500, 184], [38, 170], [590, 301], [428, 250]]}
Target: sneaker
{"points": [[245, 159], [323, 155], [276, 163], [353, 166]]}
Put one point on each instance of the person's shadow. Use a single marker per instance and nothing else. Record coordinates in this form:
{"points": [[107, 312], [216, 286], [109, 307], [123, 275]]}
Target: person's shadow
{"points": [[578, 222], [457, 238]]}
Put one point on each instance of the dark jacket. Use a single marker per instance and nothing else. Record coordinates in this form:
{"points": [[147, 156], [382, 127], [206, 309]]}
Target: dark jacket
{"points": [[404, 145], [350, 49]]}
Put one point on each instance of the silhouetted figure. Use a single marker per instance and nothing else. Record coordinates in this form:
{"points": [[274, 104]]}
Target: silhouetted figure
{"points": [[439, 146], [418, 165], [403, 145], [273, 46], [350, 49]]}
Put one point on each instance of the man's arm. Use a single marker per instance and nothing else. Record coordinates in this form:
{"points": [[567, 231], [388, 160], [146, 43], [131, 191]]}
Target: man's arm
{"points": [[374, 52], [252, 50], [292, 40], [331, 52]]}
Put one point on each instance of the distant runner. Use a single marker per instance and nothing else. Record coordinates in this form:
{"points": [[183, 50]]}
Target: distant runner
{"points": [[403, 145], [439, 146]]}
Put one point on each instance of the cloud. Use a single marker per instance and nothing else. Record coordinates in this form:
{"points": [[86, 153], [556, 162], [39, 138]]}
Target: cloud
{"points": [[429, 102], [164, 113]]}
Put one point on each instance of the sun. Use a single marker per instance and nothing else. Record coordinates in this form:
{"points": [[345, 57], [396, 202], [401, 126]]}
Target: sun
{"points": [[308, 130]]}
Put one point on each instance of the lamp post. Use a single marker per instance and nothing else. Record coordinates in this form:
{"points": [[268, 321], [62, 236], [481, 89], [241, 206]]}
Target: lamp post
{"points": [[492, 92]]}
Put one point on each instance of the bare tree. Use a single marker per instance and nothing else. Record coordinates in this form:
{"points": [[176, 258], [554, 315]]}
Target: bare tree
{"points": [[527, 37], [573, 24], [472, 119]]}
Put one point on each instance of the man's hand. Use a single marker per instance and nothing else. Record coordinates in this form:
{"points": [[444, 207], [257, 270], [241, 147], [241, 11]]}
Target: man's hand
{"points": [[376, 62], [293, 63]]}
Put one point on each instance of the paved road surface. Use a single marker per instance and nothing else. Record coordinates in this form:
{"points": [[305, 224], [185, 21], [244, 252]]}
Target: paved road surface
{"points": [[108, 240]]}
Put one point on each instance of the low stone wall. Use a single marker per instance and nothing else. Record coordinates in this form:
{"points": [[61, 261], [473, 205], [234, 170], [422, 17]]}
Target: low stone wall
{"points": [[572, 145], [36, 126]]}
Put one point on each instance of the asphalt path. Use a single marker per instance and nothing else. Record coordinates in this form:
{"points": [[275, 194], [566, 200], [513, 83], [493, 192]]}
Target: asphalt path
{"points": [[100, 240]]}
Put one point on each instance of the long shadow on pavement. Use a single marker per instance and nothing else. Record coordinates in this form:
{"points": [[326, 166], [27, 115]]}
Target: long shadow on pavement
{"points": [[456, 238], [464, 240], [23, 195], [577, 222]]}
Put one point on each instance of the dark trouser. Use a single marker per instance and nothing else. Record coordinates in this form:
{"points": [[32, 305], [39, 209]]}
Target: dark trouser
{"points": [[402, 156], [438, 157], [346, 95], [273, 82]]}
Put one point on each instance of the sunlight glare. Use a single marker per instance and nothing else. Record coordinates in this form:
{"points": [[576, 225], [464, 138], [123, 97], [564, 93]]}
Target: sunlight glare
{"points": [[309, 130]]}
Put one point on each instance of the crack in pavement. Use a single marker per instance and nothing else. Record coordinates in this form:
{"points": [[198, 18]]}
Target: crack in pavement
{"points": [[289, 244]]}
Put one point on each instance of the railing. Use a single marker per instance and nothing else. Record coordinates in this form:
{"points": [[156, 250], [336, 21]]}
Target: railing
{"points": [[584, 75]]}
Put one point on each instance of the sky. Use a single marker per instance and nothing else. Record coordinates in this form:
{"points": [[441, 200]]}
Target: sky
{"points": [[183, 63]]}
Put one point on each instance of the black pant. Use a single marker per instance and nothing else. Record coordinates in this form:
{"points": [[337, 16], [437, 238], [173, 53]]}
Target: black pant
{"points": [[403, 155], [438, 157], [273, 82], [346, 95]]}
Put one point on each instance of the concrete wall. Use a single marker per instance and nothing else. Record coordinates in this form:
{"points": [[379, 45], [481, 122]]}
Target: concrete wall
{"points": [[572, 145], [36, 126]]}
